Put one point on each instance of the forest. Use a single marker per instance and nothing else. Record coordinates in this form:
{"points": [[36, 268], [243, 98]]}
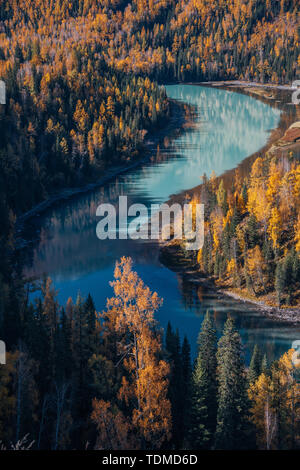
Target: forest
{"points": [[252, 231], [111, 380], [84, 88]]}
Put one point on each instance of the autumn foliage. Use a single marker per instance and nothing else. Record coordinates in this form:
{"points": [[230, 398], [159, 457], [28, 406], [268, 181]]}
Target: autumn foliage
{"points": [[252, 230], [144, 385]]}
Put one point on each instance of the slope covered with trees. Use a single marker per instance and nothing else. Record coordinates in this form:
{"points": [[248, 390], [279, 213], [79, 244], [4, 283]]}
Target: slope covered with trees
{"points": [[82, 80], [80, 94], [251, 240]]}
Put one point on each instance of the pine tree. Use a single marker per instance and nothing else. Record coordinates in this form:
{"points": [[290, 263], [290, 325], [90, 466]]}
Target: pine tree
{"points": [[252, 231], [204, 402], [280, 280], [255, 365], [186, 385], [222, 197], [232, 424], [92, 330], [176, 380]]}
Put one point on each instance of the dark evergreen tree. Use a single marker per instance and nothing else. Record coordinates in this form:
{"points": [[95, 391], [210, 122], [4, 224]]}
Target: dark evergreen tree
{"points": [[204, 388], [92, 332], [252, 232], [185, 385], [255, 365], [175, 389], [264, 365]]}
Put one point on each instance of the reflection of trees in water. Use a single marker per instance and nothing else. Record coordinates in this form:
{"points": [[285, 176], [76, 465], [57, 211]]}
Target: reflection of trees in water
{"points": [[81, 253], [67, 241], [192, 295], [188, 295]]}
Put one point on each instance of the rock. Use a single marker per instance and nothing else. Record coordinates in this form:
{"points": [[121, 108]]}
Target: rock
{"points": [[292, 134]]}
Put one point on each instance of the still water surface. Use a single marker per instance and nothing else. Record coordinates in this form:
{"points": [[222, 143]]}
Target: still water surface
{"points": [[229, 127]]}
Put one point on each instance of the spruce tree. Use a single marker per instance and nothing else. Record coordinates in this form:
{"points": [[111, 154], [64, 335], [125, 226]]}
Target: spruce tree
{"points": [[255, 365], [252, 231], [92, 337], [232, 424], [175, 388], [204, 387], [185, 385]]}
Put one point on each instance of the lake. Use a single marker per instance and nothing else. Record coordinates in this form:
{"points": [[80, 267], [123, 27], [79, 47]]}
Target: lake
{"points": [[228, 127]]}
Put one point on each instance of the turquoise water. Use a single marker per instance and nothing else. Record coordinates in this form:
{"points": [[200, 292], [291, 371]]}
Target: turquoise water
{"points": [[229, 127]]}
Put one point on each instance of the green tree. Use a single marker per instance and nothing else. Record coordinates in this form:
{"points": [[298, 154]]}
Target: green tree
{"points": [[255, 365], [186, 385], [222, 197], [232, 422], [264, 365], [176, 379], [204, 388]]}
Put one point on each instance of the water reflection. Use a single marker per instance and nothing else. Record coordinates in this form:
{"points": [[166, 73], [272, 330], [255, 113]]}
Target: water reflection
{"points": [[229, 127]]}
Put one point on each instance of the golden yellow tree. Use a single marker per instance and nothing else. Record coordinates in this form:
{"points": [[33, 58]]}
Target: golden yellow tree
{"points": [[131, 313], [275, 405], [113, 428], [297, 234], [262, 411], [274, 227], [274, 182]]}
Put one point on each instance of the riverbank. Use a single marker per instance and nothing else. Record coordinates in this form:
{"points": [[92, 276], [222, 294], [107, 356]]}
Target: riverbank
{"points": [[174, 258], [282, 141]]}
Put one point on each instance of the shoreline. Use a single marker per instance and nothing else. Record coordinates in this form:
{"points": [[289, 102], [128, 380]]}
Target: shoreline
{"points": [[274, 136]]}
